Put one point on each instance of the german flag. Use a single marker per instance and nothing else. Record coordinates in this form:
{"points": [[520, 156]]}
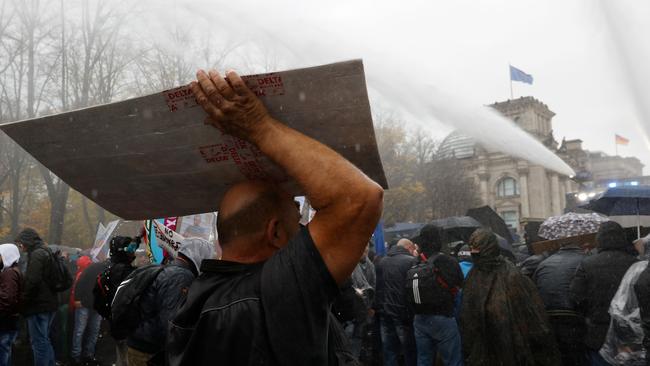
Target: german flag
{"points": [[620, 140]]}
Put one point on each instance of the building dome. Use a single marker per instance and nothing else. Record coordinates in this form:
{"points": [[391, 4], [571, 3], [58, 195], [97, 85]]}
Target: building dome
{"points": [[457, 145]]}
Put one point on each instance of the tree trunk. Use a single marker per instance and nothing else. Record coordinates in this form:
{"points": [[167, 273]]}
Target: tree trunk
{"points": [[17, 167], [57, 214], [89, 224]]}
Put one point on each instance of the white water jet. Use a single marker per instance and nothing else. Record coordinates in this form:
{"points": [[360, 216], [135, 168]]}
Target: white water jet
{"points": [[402, 80]]}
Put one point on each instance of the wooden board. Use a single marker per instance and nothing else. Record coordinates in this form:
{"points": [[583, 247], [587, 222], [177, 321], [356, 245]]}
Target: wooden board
{"points": [[153, 156], [585, 241]]}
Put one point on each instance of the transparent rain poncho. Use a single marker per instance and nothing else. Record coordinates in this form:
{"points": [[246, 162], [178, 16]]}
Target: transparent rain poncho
{"points": [[624, 342]]}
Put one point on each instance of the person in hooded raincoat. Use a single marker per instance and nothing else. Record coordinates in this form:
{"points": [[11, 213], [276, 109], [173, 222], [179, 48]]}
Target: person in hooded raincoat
{"points": [[503, 321], [11, 283]]}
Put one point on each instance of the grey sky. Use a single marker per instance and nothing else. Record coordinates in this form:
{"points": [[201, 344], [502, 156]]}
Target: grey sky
{"points": [[463, 48]]}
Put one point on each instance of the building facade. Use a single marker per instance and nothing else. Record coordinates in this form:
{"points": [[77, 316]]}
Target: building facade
{"points": [[517, 189]]}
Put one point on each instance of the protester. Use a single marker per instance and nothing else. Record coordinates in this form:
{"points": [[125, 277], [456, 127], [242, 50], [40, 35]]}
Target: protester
{"points": [[529, 265], [553, 279], [368, 267], [395, 317], [465, 260], [268, 299], [624, 341], [161, 300], [436, 329], [351, 308], [642, 292], [596, 280], [122, 254], [40, 301], [87, 321], [502, 319], [11, 287]]}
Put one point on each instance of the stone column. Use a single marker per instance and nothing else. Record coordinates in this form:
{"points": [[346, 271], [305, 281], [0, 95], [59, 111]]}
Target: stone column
{"points": [[523, 191], [484, 177], [562, 194], [567, 186], [555, 194]]}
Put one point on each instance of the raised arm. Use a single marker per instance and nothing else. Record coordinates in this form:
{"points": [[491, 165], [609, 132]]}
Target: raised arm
{"points": [[348, 204]]}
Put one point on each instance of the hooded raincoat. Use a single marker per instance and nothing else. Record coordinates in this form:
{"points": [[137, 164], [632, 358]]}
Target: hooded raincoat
{"points": [[11, 285], [503, 320]]}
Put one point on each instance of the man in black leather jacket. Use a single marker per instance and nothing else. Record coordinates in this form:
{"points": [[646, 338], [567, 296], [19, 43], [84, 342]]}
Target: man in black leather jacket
{"points": [[267, 300]]}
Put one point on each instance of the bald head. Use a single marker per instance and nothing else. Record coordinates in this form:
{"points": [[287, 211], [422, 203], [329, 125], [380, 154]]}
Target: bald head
{"points": [[248, 207], [407, 244]]}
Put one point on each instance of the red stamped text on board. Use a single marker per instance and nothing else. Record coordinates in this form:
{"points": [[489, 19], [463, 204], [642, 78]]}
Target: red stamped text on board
{"points": [[240, 152], [264, 85], [180, 98]]}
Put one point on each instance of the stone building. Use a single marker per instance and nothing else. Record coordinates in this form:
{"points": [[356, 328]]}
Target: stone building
{"points": [[606, 168], [515, 188]]}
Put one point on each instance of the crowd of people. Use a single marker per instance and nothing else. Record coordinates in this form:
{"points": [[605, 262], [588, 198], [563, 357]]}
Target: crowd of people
{"points": [[282, 293]]}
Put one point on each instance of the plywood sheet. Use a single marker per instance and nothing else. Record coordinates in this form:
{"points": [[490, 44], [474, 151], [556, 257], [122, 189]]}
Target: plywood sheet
{"points": [[153, 156]]}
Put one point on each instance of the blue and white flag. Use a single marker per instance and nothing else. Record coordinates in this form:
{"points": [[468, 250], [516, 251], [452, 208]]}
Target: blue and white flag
{"points": [[518, 75]]}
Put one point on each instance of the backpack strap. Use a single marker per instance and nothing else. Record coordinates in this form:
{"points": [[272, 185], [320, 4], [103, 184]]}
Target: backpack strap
{"points": [[439, 277]]}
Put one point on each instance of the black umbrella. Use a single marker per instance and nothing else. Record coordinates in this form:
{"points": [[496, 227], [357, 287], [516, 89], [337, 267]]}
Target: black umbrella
{"points": [[457, 228], [618, 201], [490, 219]]}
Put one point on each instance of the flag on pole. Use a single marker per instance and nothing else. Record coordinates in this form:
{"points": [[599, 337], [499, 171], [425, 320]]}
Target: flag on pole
{"points": [[620, 140], [518, 75]]}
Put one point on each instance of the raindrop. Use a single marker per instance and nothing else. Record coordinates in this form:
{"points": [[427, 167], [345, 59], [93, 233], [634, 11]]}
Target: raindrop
{"points": [[302, 96], [94, 193]]}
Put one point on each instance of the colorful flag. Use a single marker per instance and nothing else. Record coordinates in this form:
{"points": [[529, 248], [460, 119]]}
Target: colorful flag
{"points": [[518, 75], [620, 140]]}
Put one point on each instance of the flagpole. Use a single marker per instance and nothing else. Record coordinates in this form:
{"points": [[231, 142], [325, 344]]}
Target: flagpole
{"points": [[510, 76]]}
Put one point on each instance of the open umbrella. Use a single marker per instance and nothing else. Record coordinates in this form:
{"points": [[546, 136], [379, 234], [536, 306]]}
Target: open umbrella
{"points": [[489, 218], [457, 227], [632, 200], [570, 224]]}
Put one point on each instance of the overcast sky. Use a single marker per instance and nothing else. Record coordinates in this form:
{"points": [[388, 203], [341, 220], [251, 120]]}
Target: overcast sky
{"points": [[464, 47]]}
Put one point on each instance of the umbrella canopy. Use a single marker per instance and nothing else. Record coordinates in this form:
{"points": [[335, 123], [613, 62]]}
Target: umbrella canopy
{"points": [[489, 218], [456, 222], [457, 228], [633, 200], [570, 224]]}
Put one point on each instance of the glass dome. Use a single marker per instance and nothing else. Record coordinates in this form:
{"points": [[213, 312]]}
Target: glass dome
{"points": [[459, 146]]}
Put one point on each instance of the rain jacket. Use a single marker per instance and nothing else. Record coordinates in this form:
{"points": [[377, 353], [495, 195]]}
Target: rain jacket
{"points": [[502, 318], [82, 263], [597, 279], [38, 296], [160, 301], [390, 298], [642, 292], [624, 341], [11, 283], [554, 275]]}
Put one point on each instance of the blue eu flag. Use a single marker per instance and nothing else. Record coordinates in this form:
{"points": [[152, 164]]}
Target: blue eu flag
{"points": [[518, 75]]}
